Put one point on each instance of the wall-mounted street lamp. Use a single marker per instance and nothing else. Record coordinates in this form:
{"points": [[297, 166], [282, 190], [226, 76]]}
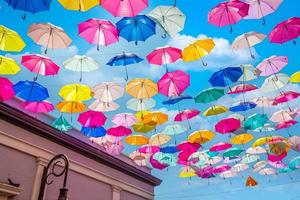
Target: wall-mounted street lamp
{"points": [[52, 171]]}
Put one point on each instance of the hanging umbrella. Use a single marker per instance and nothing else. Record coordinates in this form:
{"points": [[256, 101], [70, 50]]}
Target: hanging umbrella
{"points": [[272, 65], [264, 102], [8, 66], [175, 100], [233, 151], [188, 147], [295, 78], [247, 159], [228, 13], [155, 118], [197, 50], [186, 115], [294, 141], [221, 146], [283, 116], [156, 164], [70, 107], [40, 65], [205, 172], [140, 104], [285, 31], [93, 131], [234, 159], [61, 124], [174, 129], [275, 82], [225, 76], [277, 164], [215, 110], [49, 36], [187, 172], [242, 139], [170, 19], [92, 119], [99, 32], [173, 83], [260, 8], [227, 125], [139, 158], [237, 116], [6, 89], [29, 6], [261, 141], [75, 92], [239, 167], [149, 149], [295, 163], [119, 131], [256, 150], [79, 5], [267, 171], [81, 64], [201, 136], [159, 139], [38, 107], [124, 59], [241, 88], [242, 106], [136, 140], [265, 128], [221, 168], [30, 91], [107, 91], [101, 106], [248, 40], [259, 165], [255, 121], [124, 119], [141, 88], [209, 95], [124, 8], [10, 41], [169, 149], [166, 158], [249, 72], [140, 127], [286, 96], [228, 174], [251, 182], [115, 148]]}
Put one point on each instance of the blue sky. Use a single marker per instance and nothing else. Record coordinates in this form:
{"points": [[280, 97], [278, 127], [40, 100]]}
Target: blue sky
{"points": [[279, 187]]}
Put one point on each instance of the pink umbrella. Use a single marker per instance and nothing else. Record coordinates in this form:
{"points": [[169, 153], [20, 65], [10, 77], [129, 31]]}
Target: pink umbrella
{"points": [[294, 141], [184, 162], [205, 172], [221, 146], [286, 124], [38, 107], [156, 164], [124, 8], [149, 149], [173, 83], [277, 164], [115, 148], [241, 88], [124, 119], [98, 31], [6, 89], [272, 65], [274, 158], [188, 147], [286, 96], [186, 114], [184, 155], [228, 13], [40, 65], [227, 125], [286, 31], [260, 8], [119, 131], [92, 119], [221, 168]]}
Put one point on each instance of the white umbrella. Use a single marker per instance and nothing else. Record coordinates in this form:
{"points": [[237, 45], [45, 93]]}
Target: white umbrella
{"points": [[140, 104], [275, 82], [103, 106], [108, 91]]}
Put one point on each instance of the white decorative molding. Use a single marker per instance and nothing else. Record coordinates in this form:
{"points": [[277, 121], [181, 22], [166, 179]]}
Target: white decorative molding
{"points": [[7, 191], [116, 192]]}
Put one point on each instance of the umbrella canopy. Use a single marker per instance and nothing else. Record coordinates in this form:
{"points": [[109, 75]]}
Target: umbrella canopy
{"points": [[61, 124], [166, 158], [225, 76], [107, 91], [201, 136], [283, 116], [170, 19], [221, 146], [141, 88], [159, 139], [141, 127], [209, 95], [233, 151], [38, 107], [173, 83], [93, 132], [221, 168], [255, 121], [119, 131], [71, 107], [295, 163], [228, 174], [8, 66], [239, 167], [267, 171], [139, 158], [256, 150], [242, 139], [259, 165], [227, 125], [169, 149], [251, 182], [264, 102], [294, 141], [164, 55], [79, 5], [186, 115], [49, 36], [10, 40], [174, 129], [124, 119], [248, 158], [31, 91], [124, 8], [155, 118], [242, 106], [136, 140], [272, 65], [140, 104], [101, 106], [286, 96], [138, 28], [188, 147], [6, 89], [249, 72], [175, 100], [99, 32], [115, 148], [92, 119], [75, 92], [197, 50], [187, 172], [241, 88], [215, 110], [295, 78], [149, 149], [275, 82]]}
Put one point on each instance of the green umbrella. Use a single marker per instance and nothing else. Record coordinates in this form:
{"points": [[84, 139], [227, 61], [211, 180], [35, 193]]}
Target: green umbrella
{"points": [[232, 152], [209, 95], [61, 124], [165, 158], [255, 121], [285, 170], [295, 163]]}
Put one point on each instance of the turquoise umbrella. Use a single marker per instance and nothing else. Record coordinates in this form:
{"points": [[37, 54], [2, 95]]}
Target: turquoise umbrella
{"points": [[209, 95], [174, 129], [295, 163], [255, 121], [61, 124], [140, 104], [166, 158], [232, 152]]}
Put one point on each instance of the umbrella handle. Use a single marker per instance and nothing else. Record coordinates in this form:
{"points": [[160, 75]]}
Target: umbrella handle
{"points": [[24, 16], [203, 63], [252, 56], [175, 3], [231, 29], [264, 21], [136, 42], [294, 42], [164, 36], [46, 51]]}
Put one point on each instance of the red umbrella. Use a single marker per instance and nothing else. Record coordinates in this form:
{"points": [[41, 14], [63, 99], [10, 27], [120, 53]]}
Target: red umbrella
{"points": [[119, 131], [228, 125], [92, 119]]}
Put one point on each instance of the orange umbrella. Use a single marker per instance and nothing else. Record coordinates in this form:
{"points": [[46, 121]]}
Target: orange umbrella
{"points": [[251, 182], [155, 118]]}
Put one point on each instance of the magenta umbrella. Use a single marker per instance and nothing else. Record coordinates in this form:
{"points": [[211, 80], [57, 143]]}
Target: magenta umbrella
{"points": [[40, 65], [272, 65], [221, 168], [6, 89], [188, 147], [173, 83], [124, 8], [114, 148], [221, 146], [38, 107], [205, 172], [119, 131], [275, 158], [286, 124], [228, 13], [99, 32], [286, 31], [92, 119], [186, 115], [124, 119], [286, 96], [149, 149], [156, 164], [228, 125]]}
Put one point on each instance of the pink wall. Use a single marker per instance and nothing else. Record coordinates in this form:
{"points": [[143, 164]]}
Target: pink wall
{"points": [[129, 196]]}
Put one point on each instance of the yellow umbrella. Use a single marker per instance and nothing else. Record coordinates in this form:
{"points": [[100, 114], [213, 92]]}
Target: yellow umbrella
{"points": [[71, 107], [155, 118], [8, 66], [10, 40], [79, 5], [201, 136], [197, 50], [140, 127], [261, 141], [141, 88], [215, 110], [295, 78], [140, 115], [136, 140], [75, 92], [242, 138], [159, 139], [187, 172]]}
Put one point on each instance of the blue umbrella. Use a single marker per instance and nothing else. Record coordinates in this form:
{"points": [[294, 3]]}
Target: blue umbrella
{"points": [[226, 76], [243, 106], [169, 149], [30, 5], [138, 28], [31, 91], [174, 100], [124, 59], [93, 132]]}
